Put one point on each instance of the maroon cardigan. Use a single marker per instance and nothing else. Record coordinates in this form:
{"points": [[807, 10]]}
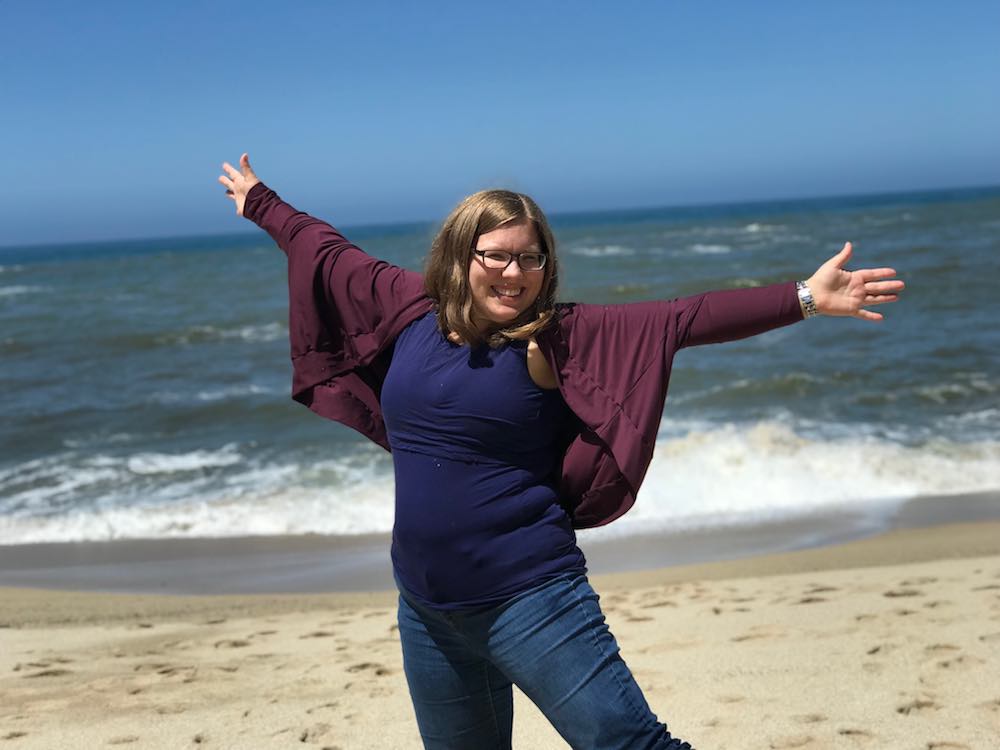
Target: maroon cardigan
{"points": [[612, 362]]}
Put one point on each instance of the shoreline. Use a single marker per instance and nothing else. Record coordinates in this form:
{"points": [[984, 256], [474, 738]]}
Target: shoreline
{"points": [[317, 564], [921, 531]]}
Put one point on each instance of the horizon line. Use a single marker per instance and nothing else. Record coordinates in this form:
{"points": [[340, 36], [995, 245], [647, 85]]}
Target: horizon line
{"points": [[552, 215]]}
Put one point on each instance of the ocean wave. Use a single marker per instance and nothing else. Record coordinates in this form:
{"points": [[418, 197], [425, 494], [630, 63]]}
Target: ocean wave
{"points": [[710, 249], [69, 481], [202, 333], [977, 420], [780, 383], [601, 251], [19, 289], [215, 394], [103, 439], [356, 497], [172, 463], [702, 475], [719, 475], [756, 227]]}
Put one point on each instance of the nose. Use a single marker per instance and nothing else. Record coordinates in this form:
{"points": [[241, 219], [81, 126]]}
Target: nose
{"points": [[513, 270]]}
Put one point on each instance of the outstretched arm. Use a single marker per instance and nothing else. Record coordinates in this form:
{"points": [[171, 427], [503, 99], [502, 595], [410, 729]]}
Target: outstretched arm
{"points": [[837, 291], [344, 304]]}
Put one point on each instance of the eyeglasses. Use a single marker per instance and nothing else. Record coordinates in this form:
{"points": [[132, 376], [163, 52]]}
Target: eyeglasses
{"points": [[499, 259]]}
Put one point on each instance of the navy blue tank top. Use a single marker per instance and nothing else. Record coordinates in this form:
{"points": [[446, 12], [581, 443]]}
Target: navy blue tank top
{"points": [[474, 448]]}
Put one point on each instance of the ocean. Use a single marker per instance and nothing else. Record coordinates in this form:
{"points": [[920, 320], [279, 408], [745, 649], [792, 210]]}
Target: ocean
{"points": [[146, 383]]}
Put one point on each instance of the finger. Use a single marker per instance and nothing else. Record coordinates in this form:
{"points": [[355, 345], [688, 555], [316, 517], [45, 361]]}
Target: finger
{"points": [[871, 300], [874, 274], [245, 166], [226, 182], [883, 287], [229, 170], [841, 258], [868, 315]]}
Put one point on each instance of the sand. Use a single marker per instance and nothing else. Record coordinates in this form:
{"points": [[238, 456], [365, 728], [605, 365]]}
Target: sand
{"points": [[887, 642]]}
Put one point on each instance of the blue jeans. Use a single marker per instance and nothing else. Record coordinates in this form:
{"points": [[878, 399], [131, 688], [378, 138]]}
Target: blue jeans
{"points": [[552, 642]]}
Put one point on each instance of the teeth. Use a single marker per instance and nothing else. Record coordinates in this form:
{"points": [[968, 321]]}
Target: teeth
{"points": [[515, 292]]}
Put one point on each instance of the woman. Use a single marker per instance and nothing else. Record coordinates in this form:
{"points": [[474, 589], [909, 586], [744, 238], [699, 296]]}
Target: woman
{"points": [[512, 421]]}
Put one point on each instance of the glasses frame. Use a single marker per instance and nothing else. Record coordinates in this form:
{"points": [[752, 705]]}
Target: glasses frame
{"points": [[510, 258]]}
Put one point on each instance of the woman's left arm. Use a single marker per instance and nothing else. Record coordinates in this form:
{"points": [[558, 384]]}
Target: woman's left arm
{"points": [[838, 291], [732, 314]]}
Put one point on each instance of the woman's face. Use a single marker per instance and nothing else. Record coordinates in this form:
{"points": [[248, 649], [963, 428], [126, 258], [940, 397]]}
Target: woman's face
{"points": [[500, 296]]}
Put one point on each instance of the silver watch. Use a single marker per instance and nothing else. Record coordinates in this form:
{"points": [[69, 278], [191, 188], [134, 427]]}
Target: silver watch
{"points": [[806, 298]]}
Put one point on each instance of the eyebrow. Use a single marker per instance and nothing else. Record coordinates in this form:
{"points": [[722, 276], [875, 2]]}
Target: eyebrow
{"points": [[533, 249]]}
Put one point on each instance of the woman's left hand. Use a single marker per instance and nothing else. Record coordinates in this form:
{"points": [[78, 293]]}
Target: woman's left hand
{"points": [[837, 291]]}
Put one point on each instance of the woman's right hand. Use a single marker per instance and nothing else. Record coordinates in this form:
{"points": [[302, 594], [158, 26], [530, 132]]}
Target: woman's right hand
{"points": [[238, 182]]}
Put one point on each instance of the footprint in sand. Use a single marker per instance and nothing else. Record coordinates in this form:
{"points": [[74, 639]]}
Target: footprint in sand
{"points": [[937, 648], [918, 581], [333, 704], [916, 706], [896, 593], [49, 673], [882, 648], [378, 669], [232, 643], [127, 739], [318, 634], [656, 604], [947, 746], [810, 718], [14, 735], [856, 734], [960, 661], [990, 638], [797, 740], [311, 734], [757, 634], [730, 699], [820, 589], [936, 603], [811, 600]]}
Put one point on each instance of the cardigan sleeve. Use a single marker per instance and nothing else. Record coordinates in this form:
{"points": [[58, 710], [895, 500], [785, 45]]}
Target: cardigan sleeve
{"points": [[613, 366], [345, 308], [731, 314]]}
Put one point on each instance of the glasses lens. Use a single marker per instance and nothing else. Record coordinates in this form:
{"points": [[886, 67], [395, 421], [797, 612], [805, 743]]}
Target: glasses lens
{"points": [[531, 261], [496, 259]]}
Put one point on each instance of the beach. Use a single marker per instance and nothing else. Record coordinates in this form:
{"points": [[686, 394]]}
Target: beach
{"points": [[189, 559], [888, 641]]}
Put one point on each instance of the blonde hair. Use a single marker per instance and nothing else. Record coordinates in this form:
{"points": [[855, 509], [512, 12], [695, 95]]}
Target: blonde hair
{"points": [[446, 277]]}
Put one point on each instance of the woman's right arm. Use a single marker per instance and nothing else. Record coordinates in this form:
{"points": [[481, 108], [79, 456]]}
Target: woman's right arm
{"points": [[325, 269], [295, 232]]}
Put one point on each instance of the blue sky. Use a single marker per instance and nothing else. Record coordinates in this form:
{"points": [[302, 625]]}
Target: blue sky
{"points": [[116, 115]]}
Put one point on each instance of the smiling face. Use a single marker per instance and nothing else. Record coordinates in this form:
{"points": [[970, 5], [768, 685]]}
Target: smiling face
{"points": [[501, 296]]}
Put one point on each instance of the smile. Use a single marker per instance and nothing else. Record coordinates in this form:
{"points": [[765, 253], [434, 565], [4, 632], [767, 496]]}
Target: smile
{"points": [[507, 292]]}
